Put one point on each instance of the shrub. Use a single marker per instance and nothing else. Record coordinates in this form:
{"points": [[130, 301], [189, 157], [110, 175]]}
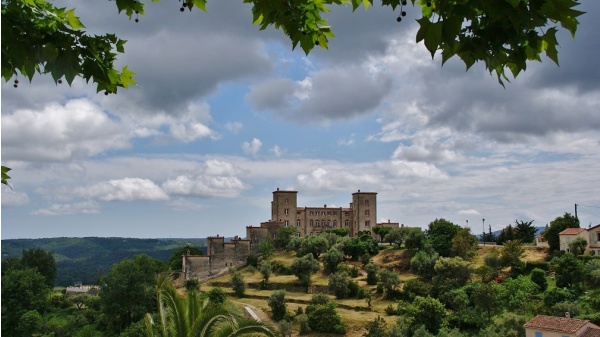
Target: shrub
{"points": [[324, 318], [277, 304], [354, 272], [538, 277], [237, 283], [192, 284], [302, 320]]}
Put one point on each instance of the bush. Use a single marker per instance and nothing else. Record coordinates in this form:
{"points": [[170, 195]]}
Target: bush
{"points": [[538, 277], [277, 304], [216, 295], [324, 318], [280, 269], [302, 320], [192, 284], [252, 260], [237, 283], [372, 270], [414, 288]]}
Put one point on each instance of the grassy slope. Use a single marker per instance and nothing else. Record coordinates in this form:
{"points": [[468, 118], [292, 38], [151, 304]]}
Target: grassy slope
{"points": [[354, 320]]}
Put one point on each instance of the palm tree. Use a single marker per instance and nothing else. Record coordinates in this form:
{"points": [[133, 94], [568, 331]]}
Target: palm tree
{"points": [[191, 316]]}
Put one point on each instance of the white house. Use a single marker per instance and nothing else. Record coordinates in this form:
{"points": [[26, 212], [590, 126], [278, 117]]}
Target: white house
{"points": [[551, 326]]}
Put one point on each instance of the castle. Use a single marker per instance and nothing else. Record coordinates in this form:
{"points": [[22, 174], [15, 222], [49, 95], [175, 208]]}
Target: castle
{"points": [[361, 215]]}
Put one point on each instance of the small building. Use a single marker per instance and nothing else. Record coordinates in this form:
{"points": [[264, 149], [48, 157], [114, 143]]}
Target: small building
{"points": [[594, 241], [552, 326], [540, 241], [571, 234], [82, 289]]}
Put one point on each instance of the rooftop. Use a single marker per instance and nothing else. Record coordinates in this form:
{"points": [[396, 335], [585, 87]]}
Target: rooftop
{"points": [[572, 231], [562, 324]]}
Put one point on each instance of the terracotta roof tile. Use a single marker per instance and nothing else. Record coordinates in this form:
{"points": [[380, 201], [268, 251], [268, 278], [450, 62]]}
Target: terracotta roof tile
{"points": [[591, 332], [572, 231], [562, 324]]}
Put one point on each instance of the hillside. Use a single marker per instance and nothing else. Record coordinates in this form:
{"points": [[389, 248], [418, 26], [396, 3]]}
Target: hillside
{"points": [[85, 259]]}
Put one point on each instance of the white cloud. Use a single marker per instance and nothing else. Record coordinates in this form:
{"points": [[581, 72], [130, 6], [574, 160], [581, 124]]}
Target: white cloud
{"points": [[252, 147], [127, 189], [87, 207], [276, 151], [75, 130], [204, 186], [12, 198], [182, 205], [234, 127]]}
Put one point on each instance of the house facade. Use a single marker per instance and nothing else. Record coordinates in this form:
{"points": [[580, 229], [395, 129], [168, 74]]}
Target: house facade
{"points": [[551, 326], [591, 235]]}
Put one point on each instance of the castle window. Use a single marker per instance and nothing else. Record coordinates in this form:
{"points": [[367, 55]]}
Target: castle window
{"points": [[366, 212], [287, 223], [334, 223], [367, 223], [323, 223], [298, 223], [328, 212], [323, 213], [366, 202], [329, 223], [311, 223], [286, 211], [347, 223], [312, 212], [287, 201]]}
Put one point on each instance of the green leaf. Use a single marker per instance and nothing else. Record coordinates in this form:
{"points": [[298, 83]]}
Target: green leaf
{"points": [[550, 43], [74, 21], [201, 4], [5, 176], [127, 77]]}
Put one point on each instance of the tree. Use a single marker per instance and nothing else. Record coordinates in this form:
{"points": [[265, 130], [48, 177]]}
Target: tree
{"points": [[524, 231], [265, 269], [558, 225], [512, 251], [395, 236], [41, 260], [389, 280], [175, 261], [578, 246], [324, 318], [127, 290], [190, 316], [339, 284], [440, 235], [314, 244], [284, 236], [304, 267], [568, 270], [376, 328], [23, 290], [464, 245], [277, 304], [451, 273], [30, 323], [538, 276], [216, 296], [331, 259], [237, 283], [516, 293], [429, 312], [79, 300], [372, 270], [414, 239], [486, 298], [266, 249], [423, 264], [507, 234], [381, 232]]}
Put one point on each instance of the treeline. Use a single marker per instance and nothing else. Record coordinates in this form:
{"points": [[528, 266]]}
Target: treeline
{"points": [[86, 259]]}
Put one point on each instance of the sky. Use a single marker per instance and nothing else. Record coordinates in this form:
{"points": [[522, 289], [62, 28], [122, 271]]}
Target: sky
{"points": [[223, 114]]}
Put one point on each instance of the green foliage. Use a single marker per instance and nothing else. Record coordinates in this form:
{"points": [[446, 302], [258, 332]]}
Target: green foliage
{"points": [[341, 232], [556, 295], [395, 236], [414, 239], [313, 244], [192, 284], [265, 268], [413, 288], [429, 312], [324, 318], [486, 298], [41, 260], [252, 260], [592, 273], [423, 264], [538, 276], [512, 251], [376, 328], [319, 298], [558, 225], [342, 285], [23, 290], [358, 246], [304, 267], [568, 270], [331, 259], [524, 231], [216, 296], [266, 249], [190, 316], [507, 234], [372, 271], [381, 232], [390, 280], [451, 273], [302, 321], [464, 245], [578, 246], [237, 283], [516, 293], [5, 177], [284, 236], [127, 291], [440, 235], [506, 325], [277, 304], [30, 323], [175, 261]]}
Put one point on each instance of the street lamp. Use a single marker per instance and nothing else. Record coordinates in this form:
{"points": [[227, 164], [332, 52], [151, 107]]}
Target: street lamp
{"points": [[483, 222]]}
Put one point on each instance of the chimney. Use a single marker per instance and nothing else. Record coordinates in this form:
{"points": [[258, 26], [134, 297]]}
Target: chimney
{"points": [[567, 314], [325, 206]]}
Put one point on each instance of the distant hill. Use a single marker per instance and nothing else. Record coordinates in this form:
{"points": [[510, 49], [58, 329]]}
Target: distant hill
{"points": [[538, 230], [86, 259]]}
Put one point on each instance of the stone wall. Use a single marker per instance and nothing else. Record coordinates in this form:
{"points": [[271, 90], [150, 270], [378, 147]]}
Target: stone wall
{"points": [[220, 257]]}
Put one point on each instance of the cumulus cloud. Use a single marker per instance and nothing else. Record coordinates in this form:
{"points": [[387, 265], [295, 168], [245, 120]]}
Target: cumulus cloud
{"points": [[322, 179], [86, 207], [326, 95], [234, 127], [252, 147], [277, 151], [127, 189], [204, 186], [75, 130]]}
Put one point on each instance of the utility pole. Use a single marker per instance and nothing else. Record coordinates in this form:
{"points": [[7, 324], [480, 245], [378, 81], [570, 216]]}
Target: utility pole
{"points": [[576, 212]]}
